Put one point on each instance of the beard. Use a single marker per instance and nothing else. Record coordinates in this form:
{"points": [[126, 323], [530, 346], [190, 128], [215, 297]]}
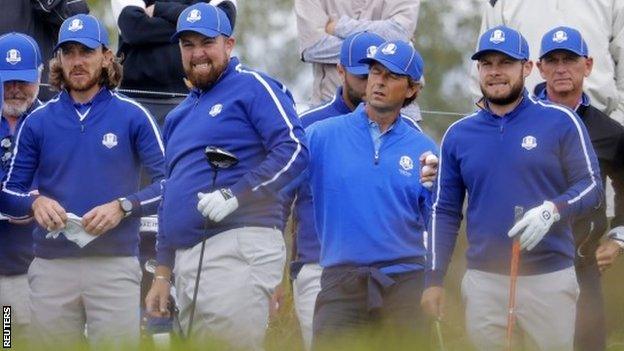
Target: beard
{"points": [[512, 96], [92, 81], [202, 80], [353, 96], [17, 104]]}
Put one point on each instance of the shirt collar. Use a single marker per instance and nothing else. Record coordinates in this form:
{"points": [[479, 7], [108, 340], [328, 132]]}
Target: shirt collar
{"points": [[585, 100]]}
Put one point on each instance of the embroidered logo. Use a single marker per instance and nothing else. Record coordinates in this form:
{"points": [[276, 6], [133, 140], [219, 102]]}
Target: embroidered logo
{"points": [[75, 25], [215, 110], [389, 49], [193, 16], [497, 37], [13, 56], [109, 140], [529, 142], [560, 36], [370, 51], [407, 165]]}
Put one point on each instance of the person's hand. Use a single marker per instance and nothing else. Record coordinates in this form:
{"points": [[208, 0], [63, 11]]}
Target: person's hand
{"points": [[217, 204], [49, 213], [277, 298], [102, 218], [330, 27], [157, 298], [534, 225], [606, 254], [432, 301], [428, 169], [150, 10]]}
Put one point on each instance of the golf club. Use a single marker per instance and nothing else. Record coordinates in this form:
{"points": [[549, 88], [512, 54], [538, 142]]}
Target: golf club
{"points": [[217, 159], [513, 277], [438, 331]]}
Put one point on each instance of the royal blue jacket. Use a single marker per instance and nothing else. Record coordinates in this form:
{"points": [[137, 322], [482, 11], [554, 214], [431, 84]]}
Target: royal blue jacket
{"points": [[16, 242], [306, 244], [537, 152], [86, 163], [368, 210], [253, 117]]}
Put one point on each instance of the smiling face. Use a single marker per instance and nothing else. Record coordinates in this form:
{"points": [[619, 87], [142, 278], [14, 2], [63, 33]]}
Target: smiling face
{"points": [[386, 91], [501, 77], [564, 71], [204, 59]]}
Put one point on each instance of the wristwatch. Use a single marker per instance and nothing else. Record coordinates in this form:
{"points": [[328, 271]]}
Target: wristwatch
{"points": [[126, 206]]}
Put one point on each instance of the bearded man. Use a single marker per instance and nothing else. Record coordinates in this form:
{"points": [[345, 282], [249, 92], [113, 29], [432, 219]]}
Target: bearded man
{"points": [[235, 214], [85, 149], [515, 154]]}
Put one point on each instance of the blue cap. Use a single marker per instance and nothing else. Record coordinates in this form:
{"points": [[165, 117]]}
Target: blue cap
{"points": [[504, 40], [356, 47], [83, 29], [22, 58], [563, 38], [204, 19], [398, 57]]}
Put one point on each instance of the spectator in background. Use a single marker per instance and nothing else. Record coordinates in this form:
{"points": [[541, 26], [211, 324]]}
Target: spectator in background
{"points": [[151, 62], [324, 24], [22, 73], [41, 20]]}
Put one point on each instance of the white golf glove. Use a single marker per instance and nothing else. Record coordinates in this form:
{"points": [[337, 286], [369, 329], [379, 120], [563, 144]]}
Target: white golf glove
{"points": [[217, 204], [535, 224]]}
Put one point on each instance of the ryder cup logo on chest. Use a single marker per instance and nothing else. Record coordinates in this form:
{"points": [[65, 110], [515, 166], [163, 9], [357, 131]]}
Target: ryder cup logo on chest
{"points": [[560, 36], [215, 110], [109, 140], [529, 142], [13, 56], [75, 25], [407, 165], [497, 37], [193, 16]]}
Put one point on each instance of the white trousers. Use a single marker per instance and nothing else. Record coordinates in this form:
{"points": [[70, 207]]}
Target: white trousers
{"points": [[240, 271], [305, 289]]}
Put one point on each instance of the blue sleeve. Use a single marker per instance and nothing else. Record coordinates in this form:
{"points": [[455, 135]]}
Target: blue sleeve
{"points": [[16, 200], [165, 254], [446, 214], [150, 148], [272, 113], [579, 161]]}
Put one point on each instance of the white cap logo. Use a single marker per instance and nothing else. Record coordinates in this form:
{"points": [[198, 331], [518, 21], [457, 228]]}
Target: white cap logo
{"points": [[529, 142], [13, 56], [193, 16], [406, 163], [498, 36], [370, 51], [389, 49], [215, 110], [109, 140], [560, 36], [75, 25]]}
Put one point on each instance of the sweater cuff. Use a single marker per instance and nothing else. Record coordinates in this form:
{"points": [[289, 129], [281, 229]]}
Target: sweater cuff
{"points": [[434, 278], [165, 257]]}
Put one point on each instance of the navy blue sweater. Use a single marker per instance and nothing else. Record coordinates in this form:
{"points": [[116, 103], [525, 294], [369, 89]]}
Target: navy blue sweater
{"points": [[536, 152], [84, 164], [249, 115], [368, 210]]}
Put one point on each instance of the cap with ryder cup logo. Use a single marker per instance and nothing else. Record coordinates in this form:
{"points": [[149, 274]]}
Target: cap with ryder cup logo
{"points": [[204, 19], [21, 58], [356, 47], [84, 29], [563, 38], [398, 57], [504, 40]]}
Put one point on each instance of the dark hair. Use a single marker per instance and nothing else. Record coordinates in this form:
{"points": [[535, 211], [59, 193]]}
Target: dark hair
{"points": [[110, 78], [411, 83]]}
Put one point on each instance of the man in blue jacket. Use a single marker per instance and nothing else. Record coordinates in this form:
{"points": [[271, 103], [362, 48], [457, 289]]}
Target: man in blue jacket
{"points": [[564, 64], [22, 73], [85, 149], [370, 209], [514, 152], [239, 213]]}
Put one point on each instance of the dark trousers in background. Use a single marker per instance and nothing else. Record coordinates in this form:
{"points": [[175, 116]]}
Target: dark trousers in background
{"points": [[590, 330], [364, 299]]}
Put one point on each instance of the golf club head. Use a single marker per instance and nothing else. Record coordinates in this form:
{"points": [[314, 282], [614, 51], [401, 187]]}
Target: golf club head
{"points": [[219, 158]]}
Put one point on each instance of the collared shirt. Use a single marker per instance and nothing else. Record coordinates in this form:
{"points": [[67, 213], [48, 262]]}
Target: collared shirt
{"points": [[376, 135]]}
